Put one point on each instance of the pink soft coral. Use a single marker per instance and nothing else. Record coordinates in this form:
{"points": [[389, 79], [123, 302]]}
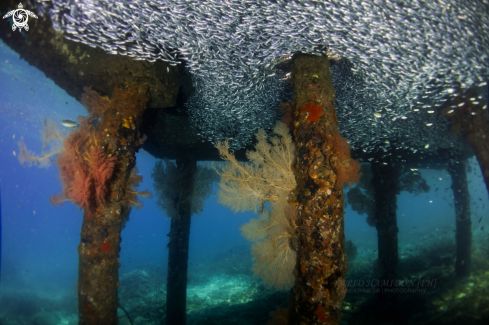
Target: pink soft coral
{"points": [[101, 170], [84, 176]]}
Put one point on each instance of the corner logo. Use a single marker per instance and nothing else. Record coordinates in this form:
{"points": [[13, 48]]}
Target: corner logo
{"points": [[19, 18]]}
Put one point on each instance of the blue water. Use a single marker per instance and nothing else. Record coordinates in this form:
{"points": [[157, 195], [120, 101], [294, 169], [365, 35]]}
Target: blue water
{"points": [[39, 241]]}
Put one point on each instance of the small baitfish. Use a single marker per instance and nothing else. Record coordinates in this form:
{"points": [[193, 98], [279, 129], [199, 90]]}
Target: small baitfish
{"points": [[69, 124]]}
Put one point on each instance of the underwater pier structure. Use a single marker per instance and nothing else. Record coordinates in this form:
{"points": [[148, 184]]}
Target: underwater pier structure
{"points": [[463, 223], [115, 90], [472, 121], [127, 99], [386, 186], [320, 171], [108, 194], [178, 246]]}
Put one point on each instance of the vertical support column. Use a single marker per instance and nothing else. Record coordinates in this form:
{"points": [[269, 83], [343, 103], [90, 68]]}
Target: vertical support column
{"points": [[386, 186], [98, 277], [176, 297], [96, 168], [471, 118], [322, 166], [463, 236]]}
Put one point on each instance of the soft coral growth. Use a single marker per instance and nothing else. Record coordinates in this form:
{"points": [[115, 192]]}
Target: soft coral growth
{"points": [[131, 193], [74, 182], [101, 169], [95, 104], [81, 192], [85, 170], [51, 136], [347, 169]]}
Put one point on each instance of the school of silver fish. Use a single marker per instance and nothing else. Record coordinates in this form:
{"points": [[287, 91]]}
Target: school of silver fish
{"points": [[398, 62]]}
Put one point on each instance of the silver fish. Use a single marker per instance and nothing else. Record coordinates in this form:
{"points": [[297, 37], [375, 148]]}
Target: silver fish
{"points": [[69, 124], [388, 58]]}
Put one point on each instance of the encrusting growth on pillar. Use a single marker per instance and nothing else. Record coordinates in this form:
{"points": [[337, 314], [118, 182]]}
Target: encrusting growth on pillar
{"points": [[323, 165], [96, 163], [96, 166]]}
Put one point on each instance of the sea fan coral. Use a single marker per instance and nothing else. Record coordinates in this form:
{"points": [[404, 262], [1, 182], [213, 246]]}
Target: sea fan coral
{"points": [[267, 178], [51, 137], [165, 182], [28, 158], [168, 186], [273, 249], [132, 196]]}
